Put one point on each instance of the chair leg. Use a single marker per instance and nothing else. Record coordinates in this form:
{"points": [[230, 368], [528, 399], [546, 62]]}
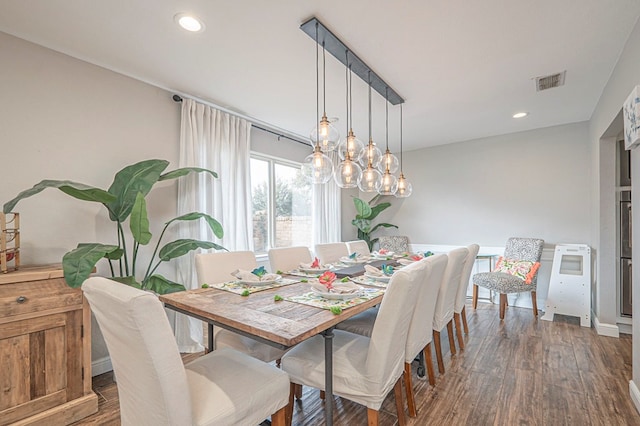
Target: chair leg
{"points": [[289, 407], [408, 386], [503, 304], [298, 391], [429, 362], [279, 418], [372, 417], [322, 395], [436, 339], [475, 296], [452, 343], [397, 391], [464, 320], [456, 318], [534, 302]]}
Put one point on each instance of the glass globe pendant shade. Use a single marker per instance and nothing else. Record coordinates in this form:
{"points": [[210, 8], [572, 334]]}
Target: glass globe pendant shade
{"points": [[403, 187], [351, 145], [388, 184], [317, 167], [388, 162], [325, 134], [371, 155], [348, 174], [370, 181]]}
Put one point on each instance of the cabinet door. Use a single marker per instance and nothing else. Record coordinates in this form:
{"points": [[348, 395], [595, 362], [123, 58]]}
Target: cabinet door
{"points": [[41, 364]]}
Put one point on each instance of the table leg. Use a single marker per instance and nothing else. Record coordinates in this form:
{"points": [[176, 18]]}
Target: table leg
{"points": [[328, 376], [210, 337]]}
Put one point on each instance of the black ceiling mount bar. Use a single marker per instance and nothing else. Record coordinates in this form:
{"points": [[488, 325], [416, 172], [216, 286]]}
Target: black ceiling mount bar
{"points": [[337, 48]]}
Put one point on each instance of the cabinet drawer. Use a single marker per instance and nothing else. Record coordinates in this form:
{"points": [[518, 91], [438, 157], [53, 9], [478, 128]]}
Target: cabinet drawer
{"points": [[37, 296]]}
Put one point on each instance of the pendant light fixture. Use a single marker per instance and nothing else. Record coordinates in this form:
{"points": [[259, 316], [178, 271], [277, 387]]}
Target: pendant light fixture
{"points": [[324, 132], [348, 173], [317, 167], [371, 177], [404, 187], [389, 183], [388, 162], [350, 143]]}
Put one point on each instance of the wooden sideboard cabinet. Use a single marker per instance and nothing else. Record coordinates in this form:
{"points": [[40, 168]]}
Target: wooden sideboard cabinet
{"points": [[45, 349]]}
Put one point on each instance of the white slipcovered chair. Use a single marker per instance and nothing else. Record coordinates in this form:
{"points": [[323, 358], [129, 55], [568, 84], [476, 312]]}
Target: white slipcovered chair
{"points": [[331, 252], [215, 268], [224, 387], [359, 246], [420, 328], [287, 258], [365, 369], [443, 315], [459, 311]]}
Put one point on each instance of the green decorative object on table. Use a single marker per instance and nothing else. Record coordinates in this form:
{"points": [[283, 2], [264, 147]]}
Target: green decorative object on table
{"points": [[125, 199], [365, 213]]}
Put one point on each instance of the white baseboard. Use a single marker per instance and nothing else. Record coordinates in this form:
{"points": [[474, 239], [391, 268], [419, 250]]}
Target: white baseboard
{"points": [[101, 366], [635, 394], [603, 329]]}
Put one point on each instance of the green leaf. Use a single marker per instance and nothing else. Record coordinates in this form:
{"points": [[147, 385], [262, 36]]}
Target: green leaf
{"points": [[215, 226], [161, 285], [128, 182], [183, 246], [384, 225], [114, 255], [139, 221], [375, 211], [78, 264], [130, 281], [362, 224], [75, 189], [363, 210], [183, 171]]}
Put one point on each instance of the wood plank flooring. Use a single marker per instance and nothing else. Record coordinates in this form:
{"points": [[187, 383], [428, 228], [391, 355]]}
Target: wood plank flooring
{"points": [[520, 371]]}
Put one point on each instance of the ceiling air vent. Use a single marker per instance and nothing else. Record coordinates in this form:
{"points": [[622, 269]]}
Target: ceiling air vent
{"points": [[550, 81]]}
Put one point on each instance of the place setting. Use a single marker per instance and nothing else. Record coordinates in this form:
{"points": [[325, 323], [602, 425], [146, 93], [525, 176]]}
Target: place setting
{"points": [[373, 276], [310, 270], [248, 282]]}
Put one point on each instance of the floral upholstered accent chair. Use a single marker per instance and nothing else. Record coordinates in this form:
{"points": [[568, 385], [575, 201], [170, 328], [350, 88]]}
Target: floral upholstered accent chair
{"points": [[515, 272], [395, 243]]}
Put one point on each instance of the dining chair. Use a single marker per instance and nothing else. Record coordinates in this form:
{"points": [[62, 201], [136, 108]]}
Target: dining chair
{"points": [[359, 246], [515, 272], [445, 303], [224, 387], [288, 258], [365, 369], [459, 311], [331, 252], [395, 243], [215, 268], [420, 328]]}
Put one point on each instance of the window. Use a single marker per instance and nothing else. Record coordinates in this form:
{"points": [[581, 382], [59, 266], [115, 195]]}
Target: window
{"points": [[281, 199]]}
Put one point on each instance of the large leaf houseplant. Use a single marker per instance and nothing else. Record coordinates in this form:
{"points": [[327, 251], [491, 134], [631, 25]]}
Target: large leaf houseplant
{"points": [[125, 200], [366, 212]]}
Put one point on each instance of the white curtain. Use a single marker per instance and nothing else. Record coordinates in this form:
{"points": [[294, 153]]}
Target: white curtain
{"points": [[217, 141], [325, 213]]}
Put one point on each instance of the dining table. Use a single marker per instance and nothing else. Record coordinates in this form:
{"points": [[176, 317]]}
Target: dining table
{"points": [[272, 320]]}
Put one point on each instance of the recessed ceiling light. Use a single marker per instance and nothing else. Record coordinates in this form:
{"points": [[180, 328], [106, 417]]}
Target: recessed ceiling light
{"points": [[189, 22], [520, 114]]}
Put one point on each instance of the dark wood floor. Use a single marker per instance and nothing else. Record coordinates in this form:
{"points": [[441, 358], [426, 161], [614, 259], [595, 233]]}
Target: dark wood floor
{"points": [[517, 372]]}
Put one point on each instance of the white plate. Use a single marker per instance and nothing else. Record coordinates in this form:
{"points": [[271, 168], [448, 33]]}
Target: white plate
{"points": [[339, 296], [353, 261], [259, 283], [377, 278], [318, 271]]}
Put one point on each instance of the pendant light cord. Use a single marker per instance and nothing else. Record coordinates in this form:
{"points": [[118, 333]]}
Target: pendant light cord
{"points": [[346, 82], [317, 88], [370, 150], [386, 113], [400, 139], [324, 83], [350, 98]]}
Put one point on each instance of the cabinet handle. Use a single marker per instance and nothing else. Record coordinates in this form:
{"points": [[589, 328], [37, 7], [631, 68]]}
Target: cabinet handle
{"points": [[21, 299]]}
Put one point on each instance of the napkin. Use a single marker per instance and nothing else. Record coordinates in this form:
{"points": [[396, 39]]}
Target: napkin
{"points": [[383, 253], [373, 271], [405, 261], [314, 265], [249, 276], [337, 288]]}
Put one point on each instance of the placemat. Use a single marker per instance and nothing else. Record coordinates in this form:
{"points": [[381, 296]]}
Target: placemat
{"points": [[237, 288], [369, 281], [319, 302]]}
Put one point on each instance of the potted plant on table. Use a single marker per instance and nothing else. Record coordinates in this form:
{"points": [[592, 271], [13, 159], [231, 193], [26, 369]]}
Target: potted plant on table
{"points": [[125, 200], [365, 213]]}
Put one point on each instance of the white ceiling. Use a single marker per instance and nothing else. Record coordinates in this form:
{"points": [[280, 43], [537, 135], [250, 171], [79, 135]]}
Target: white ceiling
{"points": [[463, 66]]}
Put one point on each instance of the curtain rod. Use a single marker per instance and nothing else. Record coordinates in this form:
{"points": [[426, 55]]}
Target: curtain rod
{"points": [[178, 98]]}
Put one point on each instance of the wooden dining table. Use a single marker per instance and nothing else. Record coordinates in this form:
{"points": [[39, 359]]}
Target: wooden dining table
{"points": [[281, 324]]}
